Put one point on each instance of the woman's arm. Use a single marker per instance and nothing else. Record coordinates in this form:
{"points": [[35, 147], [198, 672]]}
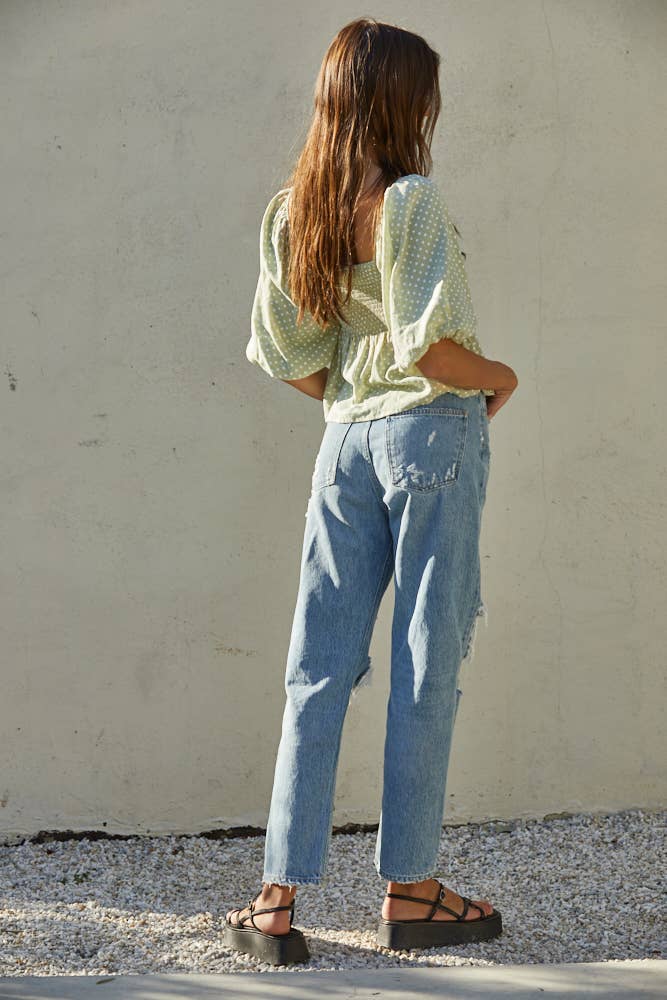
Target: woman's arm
{"points": [[451, 363], [446, 361], [312, 385]]}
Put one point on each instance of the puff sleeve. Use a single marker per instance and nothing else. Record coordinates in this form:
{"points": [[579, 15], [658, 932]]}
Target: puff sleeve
{"points": [[278, 345], [425, 290]]}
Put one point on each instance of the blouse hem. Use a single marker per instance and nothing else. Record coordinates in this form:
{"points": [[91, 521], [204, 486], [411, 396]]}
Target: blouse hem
{"points": [[359, 412]]}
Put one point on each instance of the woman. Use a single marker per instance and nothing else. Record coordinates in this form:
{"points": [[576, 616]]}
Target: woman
{"points": [[362, 302]]}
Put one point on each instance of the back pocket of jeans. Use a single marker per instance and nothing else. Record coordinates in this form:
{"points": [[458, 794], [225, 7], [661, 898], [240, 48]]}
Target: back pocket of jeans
{"points": [[326, 462], [425, 447]]}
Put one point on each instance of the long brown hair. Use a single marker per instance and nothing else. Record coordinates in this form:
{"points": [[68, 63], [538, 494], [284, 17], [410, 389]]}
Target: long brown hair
{"points": [[377, 91]]}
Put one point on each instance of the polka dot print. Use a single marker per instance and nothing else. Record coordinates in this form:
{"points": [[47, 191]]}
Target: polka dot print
{"points": [[413, 293], [277, 344]]}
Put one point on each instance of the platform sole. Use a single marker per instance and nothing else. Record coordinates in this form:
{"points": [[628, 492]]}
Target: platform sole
{"points": [[275, 949], [403, 935]]}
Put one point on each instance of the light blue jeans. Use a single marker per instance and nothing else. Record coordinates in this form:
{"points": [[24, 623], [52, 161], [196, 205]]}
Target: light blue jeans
{"points": [[399, 495]]}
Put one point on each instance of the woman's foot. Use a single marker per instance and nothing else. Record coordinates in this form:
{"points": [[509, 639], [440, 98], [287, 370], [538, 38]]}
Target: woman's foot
{"points": [[270, 923], [403, 909]]}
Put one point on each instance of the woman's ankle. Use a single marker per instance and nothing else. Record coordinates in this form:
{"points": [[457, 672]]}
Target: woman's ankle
{"points": [[410, 887], [276, 889]]}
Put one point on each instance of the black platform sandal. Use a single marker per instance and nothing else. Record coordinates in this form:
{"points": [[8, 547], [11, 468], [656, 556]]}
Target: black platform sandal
{"points": [[429, 933], [276, 949]]}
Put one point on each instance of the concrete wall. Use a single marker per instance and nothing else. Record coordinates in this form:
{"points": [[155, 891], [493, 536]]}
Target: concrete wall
{"points": [[154, 484]]}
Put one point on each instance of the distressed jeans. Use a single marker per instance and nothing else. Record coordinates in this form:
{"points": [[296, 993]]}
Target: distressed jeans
{"points": [[398, 496]]}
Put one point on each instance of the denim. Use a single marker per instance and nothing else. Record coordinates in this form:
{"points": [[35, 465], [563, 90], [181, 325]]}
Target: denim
{"points": [[400, 496]]}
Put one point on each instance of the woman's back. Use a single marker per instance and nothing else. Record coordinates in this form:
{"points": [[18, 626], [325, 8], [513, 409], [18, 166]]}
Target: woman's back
{"points": [[363, 233], [410, 293]]}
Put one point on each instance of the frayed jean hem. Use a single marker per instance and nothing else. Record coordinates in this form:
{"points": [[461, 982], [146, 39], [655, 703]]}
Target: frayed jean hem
{"points": [[421, 877], [293, 880]]}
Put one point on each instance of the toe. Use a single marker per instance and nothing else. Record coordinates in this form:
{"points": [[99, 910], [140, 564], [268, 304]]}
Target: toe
{"points": [[233, 916], [484, 905]]}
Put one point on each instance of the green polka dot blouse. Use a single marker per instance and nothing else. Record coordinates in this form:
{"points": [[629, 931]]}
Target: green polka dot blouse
{"points": [[412, 293]]}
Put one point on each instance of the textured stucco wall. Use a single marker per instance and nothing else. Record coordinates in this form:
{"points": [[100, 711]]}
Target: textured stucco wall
{"points": [[154, 484]]}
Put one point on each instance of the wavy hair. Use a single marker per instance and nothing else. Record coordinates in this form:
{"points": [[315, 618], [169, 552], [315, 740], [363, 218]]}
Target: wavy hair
{"points": [[377, 91]]}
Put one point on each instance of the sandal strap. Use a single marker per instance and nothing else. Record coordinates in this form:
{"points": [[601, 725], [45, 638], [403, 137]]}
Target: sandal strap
{"points": [[470, 903], [272, 909], [252, 911], [241, 921], [433, 903], [438, 904], [413, 899]]}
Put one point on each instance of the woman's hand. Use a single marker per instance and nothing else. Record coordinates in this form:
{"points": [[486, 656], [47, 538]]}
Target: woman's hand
{"points": [[500, 397]]}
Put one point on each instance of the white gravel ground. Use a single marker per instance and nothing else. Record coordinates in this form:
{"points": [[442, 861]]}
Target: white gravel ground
{"points": [[573, 889]]}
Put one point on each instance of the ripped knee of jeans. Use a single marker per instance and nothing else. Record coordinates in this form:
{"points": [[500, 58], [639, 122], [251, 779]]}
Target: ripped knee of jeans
{"points": [[364, 677], [469, 650], [469, 646]]}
